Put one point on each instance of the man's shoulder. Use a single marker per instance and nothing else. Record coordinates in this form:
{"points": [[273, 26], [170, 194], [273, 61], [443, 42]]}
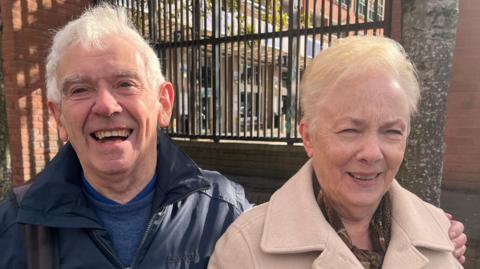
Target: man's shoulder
{"points": [[225, 190], [8, 215], [13, 255]]}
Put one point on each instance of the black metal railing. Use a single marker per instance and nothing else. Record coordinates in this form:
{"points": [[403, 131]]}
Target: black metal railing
{"points": [[236, 64]]}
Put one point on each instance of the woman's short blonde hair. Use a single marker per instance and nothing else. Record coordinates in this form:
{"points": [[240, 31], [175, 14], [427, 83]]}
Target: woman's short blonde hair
{"points": [[355, 57]]}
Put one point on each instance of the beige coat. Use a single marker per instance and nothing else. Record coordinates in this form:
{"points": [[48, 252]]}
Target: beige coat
{"points": [[290, 232]]}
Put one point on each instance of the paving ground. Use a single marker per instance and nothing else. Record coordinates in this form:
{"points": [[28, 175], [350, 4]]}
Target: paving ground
{"points": [[463, 203]]}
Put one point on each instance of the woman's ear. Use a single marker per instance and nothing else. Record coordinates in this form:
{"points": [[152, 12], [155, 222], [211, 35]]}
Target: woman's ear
{"points": [[165, 96], [306, 138]]}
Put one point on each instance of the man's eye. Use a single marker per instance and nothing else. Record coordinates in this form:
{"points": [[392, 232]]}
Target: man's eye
{"points": [[126, 84], [350, 131], [77, 91]]}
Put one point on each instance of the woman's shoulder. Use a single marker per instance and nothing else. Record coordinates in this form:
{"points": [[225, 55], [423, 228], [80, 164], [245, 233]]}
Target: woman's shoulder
{"points": [[253, 218]]}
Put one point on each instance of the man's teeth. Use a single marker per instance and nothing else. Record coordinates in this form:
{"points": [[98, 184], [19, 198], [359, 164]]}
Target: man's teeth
{"points": [[112, 133]]}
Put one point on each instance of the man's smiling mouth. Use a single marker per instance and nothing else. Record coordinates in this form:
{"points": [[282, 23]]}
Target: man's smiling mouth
{"points": [[111, 135]]}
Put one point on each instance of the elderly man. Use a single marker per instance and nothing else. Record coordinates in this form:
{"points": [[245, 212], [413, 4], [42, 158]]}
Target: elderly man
{"points": [[119, 194]]}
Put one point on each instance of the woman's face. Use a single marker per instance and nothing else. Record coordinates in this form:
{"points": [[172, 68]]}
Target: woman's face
{"points": [[359, 142]]}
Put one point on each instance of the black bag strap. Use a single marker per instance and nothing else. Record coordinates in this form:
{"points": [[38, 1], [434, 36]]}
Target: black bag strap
{"points": [[40, 242]]}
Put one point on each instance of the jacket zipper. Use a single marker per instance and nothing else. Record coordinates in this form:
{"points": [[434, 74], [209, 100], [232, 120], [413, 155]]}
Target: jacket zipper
{"points": [[109, 251], [157, 214]]}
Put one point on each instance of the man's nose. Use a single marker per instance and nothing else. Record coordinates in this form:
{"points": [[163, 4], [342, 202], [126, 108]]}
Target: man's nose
{"points": [[370, 150], [106, 103]]}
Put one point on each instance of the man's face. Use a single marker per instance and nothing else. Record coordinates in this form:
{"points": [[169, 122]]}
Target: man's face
{"points": [[360, 140], [109, 112]]}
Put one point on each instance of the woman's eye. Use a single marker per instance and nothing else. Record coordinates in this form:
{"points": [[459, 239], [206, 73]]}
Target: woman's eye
{"points": [[394, 132]]}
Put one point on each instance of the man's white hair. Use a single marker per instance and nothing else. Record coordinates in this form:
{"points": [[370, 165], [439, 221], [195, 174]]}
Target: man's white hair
{"points": [[89, 31]]}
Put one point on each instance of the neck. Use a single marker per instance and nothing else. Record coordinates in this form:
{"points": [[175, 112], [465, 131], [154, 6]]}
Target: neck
{"points": [[357, 223], [122, 188], [359, 232]]}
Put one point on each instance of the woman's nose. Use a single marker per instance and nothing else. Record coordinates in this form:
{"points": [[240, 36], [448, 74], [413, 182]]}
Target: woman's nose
{"points": [[370, 151]]}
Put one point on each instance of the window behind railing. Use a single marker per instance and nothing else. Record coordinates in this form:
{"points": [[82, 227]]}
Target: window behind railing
{"points": [[236, 64]]}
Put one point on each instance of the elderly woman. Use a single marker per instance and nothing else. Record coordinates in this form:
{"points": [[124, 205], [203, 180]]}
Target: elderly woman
{"points": [[344, 209]]}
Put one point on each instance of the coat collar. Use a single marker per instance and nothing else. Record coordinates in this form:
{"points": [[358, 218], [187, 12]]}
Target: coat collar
{"points": [[414, 226], [56, 197], [294, 224]]}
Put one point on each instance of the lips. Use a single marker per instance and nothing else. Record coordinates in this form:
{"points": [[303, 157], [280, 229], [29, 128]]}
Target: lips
{"points": [[110, 135], [363, 176]]}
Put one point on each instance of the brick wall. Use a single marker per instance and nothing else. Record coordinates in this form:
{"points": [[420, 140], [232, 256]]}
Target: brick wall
{"points": [[462, 131], [27, 33]]}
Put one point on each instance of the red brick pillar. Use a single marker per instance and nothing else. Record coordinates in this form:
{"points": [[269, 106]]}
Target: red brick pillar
{"points": [[27, 34]]}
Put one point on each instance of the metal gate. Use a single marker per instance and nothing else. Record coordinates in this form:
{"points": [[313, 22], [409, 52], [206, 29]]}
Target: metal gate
{"points": [[236, 64]]}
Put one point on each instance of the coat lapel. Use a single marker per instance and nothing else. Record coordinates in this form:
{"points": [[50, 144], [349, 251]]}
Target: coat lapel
{"points": [[294, 224], [413, 225]]}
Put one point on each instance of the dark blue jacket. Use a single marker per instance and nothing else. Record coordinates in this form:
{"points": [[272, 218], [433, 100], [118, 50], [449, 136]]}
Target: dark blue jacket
{"points": [[191, 209]]}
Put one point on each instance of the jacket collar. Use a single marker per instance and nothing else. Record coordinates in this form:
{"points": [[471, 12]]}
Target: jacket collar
{"points": [[294, 224], [56, 197], [413, 226]]}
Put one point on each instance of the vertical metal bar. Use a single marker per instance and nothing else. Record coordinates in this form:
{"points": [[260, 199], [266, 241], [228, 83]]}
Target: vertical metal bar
{"points": [[265, 77], [349, 3], [189, 72], [205, 67], [182, 83], [280, 75], [322, 24], [387, 18], [225, 68], [357, 10], [245, 59], [305, 34], [217, 113], [339, 17], [142, 7], [196, 67], [294, 108], [330, 22], [232, 55], [292, 65], [238, 68], [314, 35], [375, 15], [365, 25], [170, 63], [259, 65], [252, 78], [273, 66], [151, 21]]}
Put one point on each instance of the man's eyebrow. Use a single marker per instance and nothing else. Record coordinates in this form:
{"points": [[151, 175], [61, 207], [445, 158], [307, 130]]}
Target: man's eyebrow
{"points": [[126, 73], [70, 79]]}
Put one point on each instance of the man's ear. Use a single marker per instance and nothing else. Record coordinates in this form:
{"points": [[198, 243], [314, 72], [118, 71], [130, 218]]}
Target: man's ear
{"points": [[165, 97], [306, 138], [55, 109]]}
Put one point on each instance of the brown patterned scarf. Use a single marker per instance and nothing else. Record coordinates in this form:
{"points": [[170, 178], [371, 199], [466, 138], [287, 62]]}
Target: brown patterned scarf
{"points": [[379, 231]]}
